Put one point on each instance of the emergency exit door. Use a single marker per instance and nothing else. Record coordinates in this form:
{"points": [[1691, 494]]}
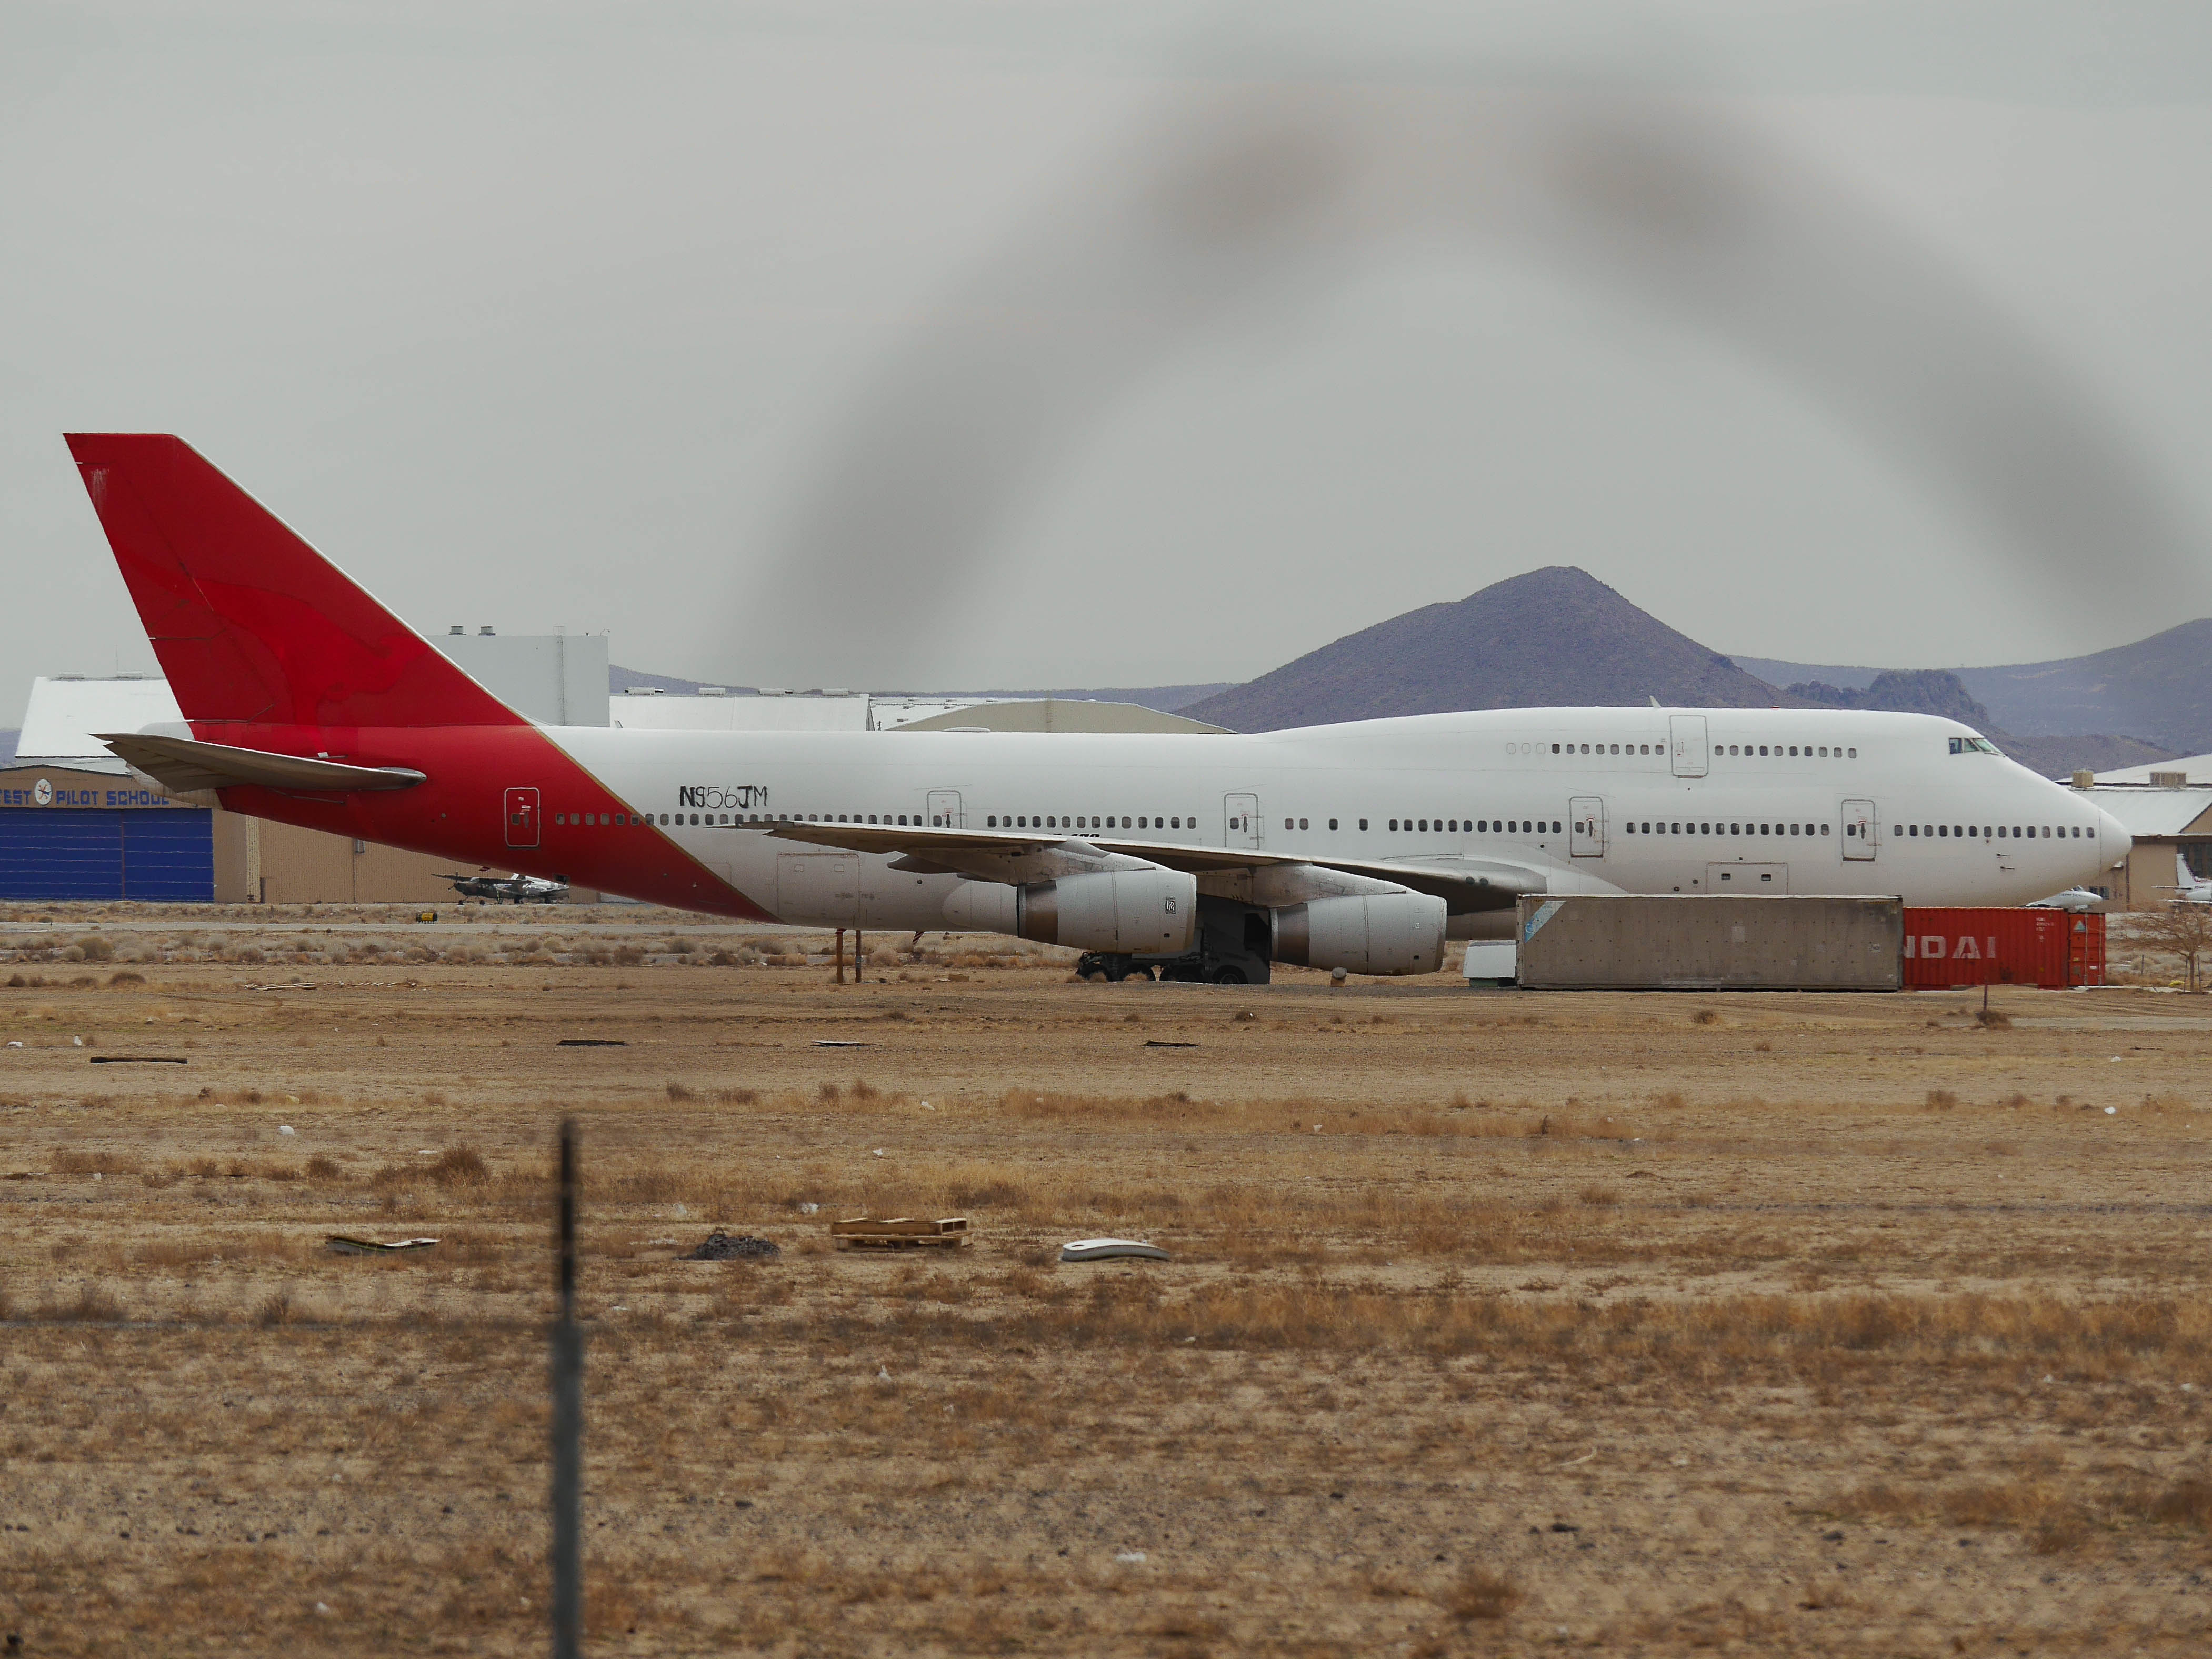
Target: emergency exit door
{"points": [[1586, 836], [1244, 821], [945, 809], [522, 817], [1859, 826], [1686, 744]]}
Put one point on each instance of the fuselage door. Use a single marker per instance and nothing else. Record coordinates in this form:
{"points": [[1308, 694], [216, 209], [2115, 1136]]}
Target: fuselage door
{"points": [[1243, 814], [1859, 826], [522, 817], [945, 809], [1686, 744], [1586, 834]]}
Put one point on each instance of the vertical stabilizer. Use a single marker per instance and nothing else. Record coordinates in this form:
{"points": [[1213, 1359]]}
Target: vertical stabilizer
{"points": [[251, 625]]}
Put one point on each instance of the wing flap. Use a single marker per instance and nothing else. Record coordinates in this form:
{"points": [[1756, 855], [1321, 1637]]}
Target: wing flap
{"points": [[1465, 886]]}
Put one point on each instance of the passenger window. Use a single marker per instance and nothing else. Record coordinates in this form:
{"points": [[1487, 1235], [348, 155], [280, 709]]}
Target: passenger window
{"points": [[1853, 753], [1332, 823], [1175, 823], [1302, 824], [1363, 823], [1394, 823]]}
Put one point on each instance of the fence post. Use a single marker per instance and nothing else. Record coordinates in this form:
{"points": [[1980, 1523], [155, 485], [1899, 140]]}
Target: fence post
{"points": [[567, 1362]]}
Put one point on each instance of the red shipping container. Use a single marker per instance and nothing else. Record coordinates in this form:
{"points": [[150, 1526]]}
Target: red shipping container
{"points": [[2051, 949]]}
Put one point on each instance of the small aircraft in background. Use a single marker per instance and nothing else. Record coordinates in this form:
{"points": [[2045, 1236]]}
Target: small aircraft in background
{"points": [[2193, 889], [2074, 898], [508, 890]]}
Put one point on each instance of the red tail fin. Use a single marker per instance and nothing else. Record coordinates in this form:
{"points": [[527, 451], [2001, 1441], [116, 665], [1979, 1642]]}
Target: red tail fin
{"points": [[250, 622]]}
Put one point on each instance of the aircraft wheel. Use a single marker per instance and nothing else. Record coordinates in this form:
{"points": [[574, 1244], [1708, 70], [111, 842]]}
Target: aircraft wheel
{"points": [[1228, 977]]}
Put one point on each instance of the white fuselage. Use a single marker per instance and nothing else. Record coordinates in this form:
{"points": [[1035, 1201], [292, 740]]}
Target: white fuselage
{"points": [[1588, 799]]}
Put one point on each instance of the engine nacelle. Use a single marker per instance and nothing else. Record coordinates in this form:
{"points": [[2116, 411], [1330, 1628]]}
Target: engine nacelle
{"points": [[1371, 934], [1145, 912]]}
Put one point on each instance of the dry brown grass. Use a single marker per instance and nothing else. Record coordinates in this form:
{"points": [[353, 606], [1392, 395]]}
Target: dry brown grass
{"points": [[1482, 1593], [1574, 1316]]}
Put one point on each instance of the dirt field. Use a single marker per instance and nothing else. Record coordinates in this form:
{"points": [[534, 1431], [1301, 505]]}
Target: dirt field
{"points": [[1497, 1322]]}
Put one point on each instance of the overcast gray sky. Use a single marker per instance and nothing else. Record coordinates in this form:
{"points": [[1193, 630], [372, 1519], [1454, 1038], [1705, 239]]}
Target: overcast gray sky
{"points": [[545, 314]]}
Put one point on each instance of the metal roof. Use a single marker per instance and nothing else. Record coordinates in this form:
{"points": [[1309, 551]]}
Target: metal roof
{"points": [[64, 713], [2197, 767], [2144, 811]]}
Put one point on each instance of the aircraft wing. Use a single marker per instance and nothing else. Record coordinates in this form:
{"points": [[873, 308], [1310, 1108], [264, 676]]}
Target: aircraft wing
{"points": [[182, 765], [1465, 885]]}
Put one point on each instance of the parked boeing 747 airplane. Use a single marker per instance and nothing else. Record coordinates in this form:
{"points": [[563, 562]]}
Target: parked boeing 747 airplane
{"points": [[1363, 845]]}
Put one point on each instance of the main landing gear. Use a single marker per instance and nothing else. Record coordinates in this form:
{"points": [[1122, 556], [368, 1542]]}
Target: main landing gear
{"points": [[1234, 943]]}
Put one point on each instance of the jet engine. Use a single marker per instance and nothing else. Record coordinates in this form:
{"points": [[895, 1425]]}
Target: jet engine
{"points": [[1142, 912], [1369, 933]]}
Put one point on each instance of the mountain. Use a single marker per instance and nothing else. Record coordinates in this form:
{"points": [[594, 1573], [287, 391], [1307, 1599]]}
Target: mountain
{"points": [[2158, 688], [1939, 691], [1904, 691], [2061, 757], [1553, 638], [1775, 671]]}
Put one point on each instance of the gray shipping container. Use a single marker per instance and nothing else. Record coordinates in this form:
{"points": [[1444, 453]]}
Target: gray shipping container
{"points": [[1679, 942]]}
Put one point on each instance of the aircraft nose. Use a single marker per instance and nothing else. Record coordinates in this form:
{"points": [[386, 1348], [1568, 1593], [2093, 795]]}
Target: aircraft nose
{"points": [[2113, 841]]}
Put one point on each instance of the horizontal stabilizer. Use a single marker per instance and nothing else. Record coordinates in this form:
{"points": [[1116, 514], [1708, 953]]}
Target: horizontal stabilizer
{"points": [[182, 766]]}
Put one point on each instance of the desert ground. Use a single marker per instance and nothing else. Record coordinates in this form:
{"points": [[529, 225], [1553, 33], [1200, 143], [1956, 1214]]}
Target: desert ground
{"points": [[1497, 1322]]}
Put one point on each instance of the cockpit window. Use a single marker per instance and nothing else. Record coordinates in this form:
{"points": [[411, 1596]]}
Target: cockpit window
{"points": [[1973, 746]]}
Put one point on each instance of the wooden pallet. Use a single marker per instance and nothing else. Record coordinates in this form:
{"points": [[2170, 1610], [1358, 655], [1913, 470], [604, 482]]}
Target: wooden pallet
{"points": [[899, 1233]]}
